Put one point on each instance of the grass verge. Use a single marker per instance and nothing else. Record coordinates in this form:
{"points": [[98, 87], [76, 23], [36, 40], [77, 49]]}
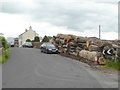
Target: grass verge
{"points": [[113, 65]]}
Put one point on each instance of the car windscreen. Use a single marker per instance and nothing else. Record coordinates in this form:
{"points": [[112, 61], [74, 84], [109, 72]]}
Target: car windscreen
{"points": [[28, 43], [50, 46]]}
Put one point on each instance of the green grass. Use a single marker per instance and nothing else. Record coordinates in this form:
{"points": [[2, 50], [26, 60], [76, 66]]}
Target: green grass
{"points": [[113, 65], [5, 56]]}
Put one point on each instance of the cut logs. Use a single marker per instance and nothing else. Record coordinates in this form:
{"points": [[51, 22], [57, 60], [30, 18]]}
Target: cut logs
{"points": [[88, 48]]}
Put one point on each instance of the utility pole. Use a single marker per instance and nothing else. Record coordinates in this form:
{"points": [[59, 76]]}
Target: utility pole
{"points": [[99, 32]]}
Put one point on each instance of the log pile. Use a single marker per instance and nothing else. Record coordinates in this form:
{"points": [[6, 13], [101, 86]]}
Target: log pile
{"points": [[90, 49]]}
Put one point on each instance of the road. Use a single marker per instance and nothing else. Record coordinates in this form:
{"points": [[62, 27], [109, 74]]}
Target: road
{"points": [[29, 68]]}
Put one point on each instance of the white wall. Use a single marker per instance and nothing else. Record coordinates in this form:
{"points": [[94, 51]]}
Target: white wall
{"points": [[27, 35]]}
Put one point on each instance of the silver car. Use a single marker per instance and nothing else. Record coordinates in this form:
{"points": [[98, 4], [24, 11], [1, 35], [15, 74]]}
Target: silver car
{"points": [[27, 45]]}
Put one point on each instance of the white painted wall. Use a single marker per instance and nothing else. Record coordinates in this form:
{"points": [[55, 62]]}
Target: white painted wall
{"points": [[29, 34]]}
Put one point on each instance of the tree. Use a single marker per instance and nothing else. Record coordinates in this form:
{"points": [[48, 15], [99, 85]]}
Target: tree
{"points": [[36, 39], [45, 39], [28, 40], [49, 37]]}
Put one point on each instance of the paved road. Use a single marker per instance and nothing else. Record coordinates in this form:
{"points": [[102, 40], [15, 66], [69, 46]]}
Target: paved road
{"points": [[29, 68]]}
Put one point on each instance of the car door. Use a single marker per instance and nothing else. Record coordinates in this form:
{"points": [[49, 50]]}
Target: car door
{"points": [[43, 47]]}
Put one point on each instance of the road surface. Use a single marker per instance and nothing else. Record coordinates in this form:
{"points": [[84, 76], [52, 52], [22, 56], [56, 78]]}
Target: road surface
{"points": [[29, 68]]}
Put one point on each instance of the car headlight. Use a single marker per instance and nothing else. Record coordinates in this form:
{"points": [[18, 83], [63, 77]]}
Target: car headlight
{"points": [[50, 49]]}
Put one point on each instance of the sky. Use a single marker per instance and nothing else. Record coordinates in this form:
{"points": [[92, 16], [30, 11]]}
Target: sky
{"points": [[50, 17]]}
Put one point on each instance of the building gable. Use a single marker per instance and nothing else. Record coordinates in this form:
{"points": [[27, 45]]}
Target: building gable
{"points": [[28, 34]]}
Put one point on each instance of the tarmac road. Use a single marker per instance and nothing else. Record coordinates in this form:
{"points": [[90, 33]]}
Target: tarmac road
{"points": [[29, 68]]}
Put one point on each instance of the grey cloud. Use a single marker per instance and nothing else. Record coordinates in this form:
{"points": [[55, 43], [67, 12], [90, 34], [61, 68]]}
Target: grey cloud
{"points": [[68, 14], [8, 7], [15, 7], [75, 16], [61, 14]]}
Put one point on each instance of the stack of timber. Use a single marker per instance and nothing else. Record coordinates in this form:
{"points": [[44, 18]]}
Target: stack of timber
{"points": [[90, 49]]}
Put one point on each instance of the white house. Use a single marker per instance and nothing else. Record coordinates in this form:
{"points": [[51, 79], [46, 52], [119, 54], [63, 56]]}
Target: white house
{"points": [[28, 34]]}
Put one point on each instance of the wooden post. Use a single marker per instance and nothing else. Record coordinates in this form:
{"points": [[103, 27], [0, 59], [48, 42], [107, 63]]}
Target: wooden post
{"points": [[99, 32]]}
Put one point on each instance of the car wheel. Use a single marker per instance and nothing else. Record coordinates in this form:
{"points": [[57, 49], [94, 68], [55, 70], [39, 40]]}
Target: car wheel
{"points": [[41, 51]]}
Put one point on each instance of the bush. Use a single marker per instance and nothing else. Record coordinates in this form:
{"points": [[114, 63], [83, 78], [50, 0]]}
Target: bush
{"points": [[6, 51], [4, 42], [36, 39], [28, 40], [5, 55]]}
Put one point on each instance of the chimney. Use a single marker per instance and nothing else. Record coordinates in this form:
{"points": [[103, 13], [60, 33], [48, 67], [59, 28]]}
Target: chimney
{"points": [[30, 28], [26, 30]]}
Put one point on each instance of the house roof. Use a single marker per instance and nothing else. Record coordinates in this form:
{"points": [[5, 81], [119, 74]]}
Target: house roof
{"points": [[27, 30]]}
